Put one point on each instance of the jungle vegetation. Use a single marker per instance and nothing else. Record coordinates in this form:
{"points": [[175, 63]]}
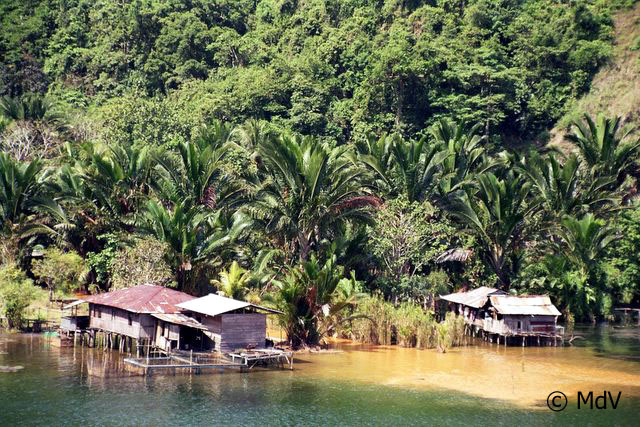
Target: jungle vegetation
{"points": [[335, 159]]}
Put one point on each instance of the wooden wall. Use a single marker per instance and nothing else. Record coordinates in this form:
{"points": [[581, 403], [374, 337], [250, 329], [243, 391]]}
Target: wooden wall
{"points": [[530, 324], [120, 321], [242, 331], [164, 335]]}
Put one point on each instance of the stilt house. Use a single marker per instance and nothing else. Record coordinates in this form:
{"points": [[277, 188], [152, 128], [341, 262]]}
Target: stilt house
{"points": [[493, 311], [170, 320]]}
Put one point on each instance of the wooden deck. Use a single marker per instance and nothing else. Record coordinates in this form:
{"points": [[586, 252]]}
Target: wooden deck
{"points": [[189, 362]]}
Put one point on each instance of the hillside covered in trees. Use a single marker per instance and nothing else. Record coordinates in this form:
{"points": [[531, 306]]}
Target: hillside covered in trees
{"points": [[319, 156]]}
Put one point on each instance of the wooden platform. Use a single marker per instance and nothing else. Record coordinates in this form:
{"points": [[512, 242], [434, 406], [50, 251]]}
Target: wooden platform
{"points": [[189, 362]]}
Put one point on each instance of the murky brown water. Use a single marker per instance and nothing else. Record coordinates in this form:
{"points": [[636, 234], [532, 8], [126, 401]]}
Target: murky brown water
{"points": [[523, 376]]}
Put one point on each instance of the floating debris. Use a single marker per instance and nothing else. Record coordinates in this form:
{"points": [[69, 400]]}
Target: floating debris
{"points": [[11, 368]]}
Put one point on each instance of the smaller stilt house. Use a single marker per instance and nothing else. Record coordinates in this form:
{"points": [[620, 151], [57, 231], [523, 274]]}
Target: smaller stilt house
{"points": [[494, 312], [230, 324]]}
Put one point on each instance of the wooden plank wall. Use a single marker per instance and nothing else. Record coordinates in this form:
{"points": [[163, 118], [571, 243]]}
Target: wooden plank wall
{"points": [[242, 331], [117, 320]]}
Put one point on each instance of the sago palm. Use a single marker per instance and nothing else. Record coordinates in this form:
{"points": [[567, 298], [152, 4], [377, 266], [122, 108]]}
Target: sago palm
{"points": [[195, 236], [496, 212], [233, 283], [307, 192], [466, 155], [607, 149]]}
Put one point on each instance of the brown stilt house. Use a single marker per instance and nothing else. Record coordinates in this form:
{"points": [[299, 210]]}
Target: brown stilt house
{"points": [[171, 320]]}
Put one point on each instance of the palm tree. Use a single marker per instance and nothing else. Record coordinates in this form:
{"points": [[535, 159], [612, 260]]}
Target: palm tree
{"points": [[606, 149], [584, 240], [195, 237], [34, 128], [417, 166], [110, 182], [25, 189], [581, 243], [252, 134], [466, 156], [306, 296], [375, 154], [233, 283], [307, 192], [562, 189], [200, 177], [30, 108], [496, 212]]}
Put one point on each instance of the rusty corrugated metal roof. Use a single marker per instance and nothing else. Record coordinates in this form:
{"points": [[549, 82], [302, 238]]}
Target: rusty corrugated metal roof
{"points": [[538, 305], [475, 298], [143, 299]]}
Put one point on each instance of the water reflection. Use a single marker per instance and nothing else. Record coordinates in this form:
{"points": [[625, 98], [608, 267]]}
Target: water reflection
{"points": [[363, 385]]}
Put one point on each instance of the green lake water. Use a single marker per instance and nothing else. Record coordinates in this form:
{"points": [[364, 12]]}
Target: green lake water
{"points": [[362, 386]]}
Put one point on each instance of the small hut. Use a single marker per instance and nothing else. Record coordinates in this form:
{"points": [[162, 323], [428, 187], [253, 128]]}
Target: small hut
{"points": [[493, 313], [230, 324]]}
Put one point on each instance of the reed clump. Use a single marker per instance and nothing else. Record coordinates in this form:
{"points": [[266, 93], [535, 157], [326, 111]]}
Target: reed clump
{"points": [[407, 324]]}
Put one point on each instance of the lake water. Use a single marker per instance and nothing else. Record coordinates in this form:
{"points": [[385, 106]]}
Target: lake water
{"points": [[479, 384]]}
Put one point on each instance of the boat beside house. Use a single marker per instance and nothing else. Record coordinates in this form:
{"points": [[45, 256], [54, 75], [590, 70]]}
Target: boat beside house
{"points": [[513, 319]]}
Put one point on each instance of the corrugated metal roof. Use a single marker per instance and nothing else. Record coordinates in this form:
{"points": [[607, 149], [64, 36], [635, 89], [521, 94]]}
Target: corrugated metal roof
{"points": [[213, 305], [179, 319], [143, 299], [539, 305], [75, 303], [456, 254], [475, 298]]}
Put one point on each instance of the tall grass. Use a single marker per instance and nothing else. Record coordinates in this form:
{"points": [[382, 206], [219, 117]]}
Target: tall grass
{"points": [[407, 324]]}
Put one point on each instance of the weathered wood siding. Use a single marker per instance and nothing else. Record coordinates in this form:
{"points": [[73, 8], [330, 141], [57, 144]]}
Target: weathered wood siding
{"points": [[242, 331], [120, 321], [529, 324], [165, 333]]}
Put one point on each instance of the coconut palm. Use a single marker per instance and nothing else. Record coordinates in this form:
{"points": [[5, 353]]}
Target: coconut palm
{"points": [[496, 212], [307, 192], [606, 148]]}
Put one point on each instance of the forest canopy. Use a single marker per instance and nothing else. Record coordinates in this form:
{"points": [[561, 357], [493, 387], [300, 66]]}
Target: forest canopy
{"points": [[334, 69]]}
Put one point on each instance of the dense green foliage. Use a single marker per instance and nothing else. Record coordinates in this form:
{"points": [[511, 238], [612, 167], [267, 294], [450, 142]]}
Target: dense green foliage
{"points": [[304, 153], [335, 69]]}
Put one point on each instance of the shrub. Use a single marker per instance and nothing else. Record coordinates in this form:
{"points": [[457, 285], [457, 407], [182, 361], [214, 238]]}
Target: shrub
{"points": [[60, 271], [16, 294], [142, 263], [408, 323]]}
